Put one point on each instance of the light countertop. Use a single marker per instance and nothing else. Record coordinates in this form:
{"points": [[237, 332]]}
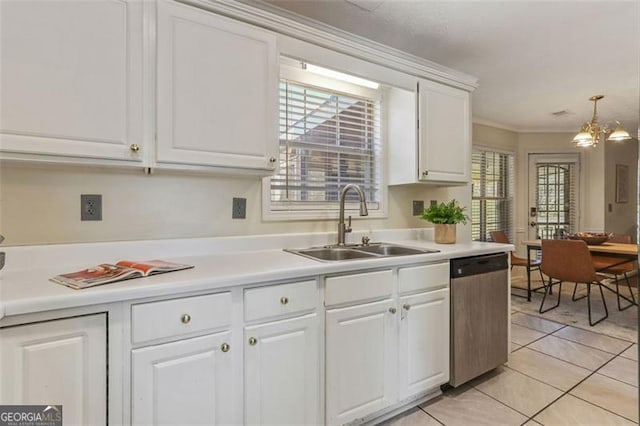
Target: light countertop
{"points": [[26, 289]]}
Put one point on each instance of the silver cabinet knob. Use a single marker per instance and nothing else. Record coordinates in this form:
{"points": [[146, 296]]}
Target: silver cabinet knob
{"points": [[225, 347], [284, 300], [406, 306], [253, 341], [425, 173], [272, 161], [392, 310], [186, 318], [134, 147]]}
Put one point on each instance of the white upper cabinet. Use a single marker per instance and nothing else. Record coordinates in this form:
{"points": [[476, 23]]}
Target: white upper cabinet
{"points": [[429, 134], [217, 90], [71, 78], [444, 133]]}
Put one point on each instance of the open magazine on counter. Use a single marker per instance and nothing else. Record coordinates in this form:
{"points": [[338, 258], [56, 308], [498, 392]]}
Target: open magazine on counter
{"points": [[124, 270]]}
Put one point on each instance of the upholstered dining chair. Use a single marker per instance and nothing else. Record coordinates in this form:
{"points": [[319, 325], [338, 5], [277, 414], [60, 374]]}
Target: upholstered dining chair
{"points": [[501, 237], [570, 260], [606, 265]]}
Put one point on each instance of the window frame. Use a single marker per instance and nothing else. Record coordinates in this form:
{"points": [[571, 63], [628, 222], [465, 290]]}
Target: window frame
{"points": [[291, 69], [512, 226]]}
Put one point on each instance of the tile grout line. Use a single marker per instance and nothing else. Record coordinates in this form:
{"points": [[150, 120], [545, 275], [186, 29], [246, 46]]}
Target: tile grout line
{"points": [[540, 318], [433, 417], [503, 403], [570, 325], [593, 332], [630, 344], [578, 384], [563, 393], [535, 340], [572, 363]]}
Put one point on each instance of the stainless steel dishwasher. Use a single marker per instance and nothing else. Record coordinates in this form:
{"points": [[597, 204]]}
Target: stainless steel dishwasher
{"points": [[479, 316]]}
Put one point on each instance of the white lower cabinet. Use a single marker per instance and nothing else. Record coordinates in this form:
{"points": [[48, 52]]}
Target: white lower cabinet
{"points": [[187, 382], [282, 372], [57, 362], [424, 342], [361, 359], [385, 353]]}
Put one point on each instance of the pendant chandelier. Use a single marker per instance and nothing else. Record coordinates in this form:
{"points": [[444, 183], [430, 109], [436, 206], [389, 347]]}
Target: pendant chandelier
{"points": [[591, 133]]}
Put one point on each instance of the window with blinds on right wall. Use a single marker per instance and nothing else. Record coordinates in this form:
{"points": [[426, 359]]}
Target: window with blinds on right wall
{"points": [[493, 185]]}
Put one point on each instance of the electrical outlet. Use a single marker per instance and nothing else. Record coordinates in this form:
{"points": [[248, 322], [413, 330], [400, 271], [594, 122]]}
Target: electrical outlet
{"points": [[433, 203], [90, 207], [418, 207], [239, 208]]}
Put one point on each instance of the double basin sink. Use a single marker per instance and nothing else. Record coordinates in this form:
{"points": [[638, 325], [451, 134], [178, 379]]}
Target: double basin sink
{"points": [[370, 251]]}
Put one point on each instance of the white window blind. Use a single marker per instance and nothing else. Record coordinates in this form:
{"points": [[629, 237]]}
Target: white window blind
{"points": [[327, 140], [493, 184]]}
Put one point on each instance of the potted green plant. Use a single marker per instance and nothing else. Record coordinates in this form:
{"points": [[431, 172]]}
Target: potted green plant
{"points": [[445, 217]]}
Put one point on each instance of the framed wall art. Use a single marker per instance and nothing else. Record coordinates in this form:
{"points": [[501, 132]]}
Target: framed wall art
{"points": [[622, 183]]}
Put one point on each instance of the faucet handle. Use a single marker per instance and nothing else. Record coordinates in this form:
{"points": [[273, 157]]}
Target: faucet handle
{"points": [[348, 227]]}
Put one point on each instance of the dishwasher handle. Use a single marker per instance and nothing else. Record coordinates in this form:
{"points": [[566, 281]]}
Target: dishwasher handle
{"points": [[475, 265]]}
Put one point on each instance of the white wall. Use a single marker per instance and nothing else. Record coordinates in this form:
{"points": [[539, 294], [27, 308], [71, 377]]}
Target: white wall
{"points": [[40, 205], [494, 137], [622, 217]]}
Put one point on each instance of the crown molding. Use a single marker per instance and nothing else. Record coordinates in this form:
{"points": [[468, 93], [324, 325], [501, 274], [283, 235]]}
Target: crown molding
{"points": [[482, 121], [302, 28], [543, 130]]}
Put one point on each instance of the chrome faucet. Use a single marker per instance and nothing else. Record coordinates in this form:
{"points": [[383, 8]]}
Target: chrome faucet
{"points": [[342, 227]]}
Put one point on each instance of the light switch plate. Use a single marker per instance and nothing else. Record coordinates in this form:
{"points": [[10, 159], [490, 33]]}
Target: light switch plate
{"points": [[418, 207]]}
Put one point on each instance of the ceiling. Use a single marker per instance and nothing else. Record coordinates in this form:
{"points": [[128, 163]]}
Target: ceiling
{"points": [[532, 58]]}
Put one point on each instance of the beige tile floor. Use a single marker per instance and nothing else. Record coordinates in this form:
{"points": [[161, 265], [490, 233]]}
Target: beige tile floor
{"points": [[557, 375]]}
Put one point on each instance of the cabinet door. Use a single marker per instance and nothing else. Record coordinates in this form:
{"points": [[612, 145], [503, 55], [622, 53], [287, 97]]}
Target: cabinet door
{"points": [[444, 149], [282, 372], [57, 362], [71, 79], [361, 357], [217, 90], [184, 382], [424, 342]]}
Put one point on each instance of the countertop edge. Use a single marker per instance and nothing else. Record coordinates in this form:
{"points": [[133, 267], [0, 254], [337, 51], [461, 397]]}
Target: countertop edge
{"points": [[289, 267]]}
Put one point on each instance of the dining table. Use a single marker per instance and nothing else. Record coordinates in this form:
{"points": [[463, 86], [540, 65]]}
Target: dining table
{"points": [[620, 253]]}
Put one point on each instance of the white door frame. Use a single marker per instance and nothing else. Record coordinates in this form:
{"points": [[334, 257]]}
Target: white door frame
{"points": [[537, 158]]}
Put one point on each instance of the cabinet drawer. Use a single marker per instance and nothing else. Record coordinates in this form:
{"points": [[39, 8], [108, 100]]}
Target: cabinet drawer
{"points": [[176, 317], [357, 287], [280, 300], [424, 277]]}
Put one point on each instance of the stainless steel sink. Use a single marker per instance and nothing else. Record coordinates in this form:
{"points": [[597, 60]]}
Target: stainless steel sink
{"points": [[371, 251], [392, 250], [332, 253]]}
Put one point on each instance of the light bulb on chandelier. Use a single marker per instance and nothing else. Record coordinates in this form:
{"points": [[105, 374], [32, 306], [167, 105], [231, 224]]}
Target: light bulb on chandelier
{"points": [[591, 133]]}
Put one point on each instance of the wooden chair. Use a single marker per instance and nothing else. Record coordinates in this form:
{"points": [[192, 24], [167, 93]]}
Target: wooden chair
{"points": [[501, 237], [607, 265], [570, 260]]}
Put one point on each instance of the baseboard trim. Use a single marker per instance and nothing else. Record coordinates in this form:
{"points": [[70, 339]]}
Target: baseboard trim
{"points": [[398, 408]]}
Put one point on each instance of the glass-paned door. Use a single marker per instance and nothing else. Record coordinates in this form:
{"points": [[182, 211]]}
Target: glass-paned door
{"points": [[553, 195]]}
